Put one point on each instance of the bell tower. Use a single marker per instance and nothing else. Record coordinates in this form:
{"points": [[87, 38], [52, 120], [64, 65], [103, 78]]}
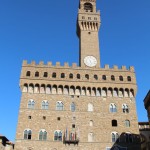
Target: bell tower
{"points": [[88, 24]]}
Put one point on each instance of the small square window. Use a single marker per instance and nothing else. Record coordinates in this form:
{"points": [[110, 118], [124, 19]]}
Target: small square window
{"points": [[44, 117], [29, 117], [78, 96], [58, 118], [73, 126], [74, 118]]}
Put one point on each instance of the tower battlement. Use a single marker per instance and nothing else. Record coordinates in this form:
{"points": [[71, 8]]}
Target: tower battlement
{"points": [[74, 65]]}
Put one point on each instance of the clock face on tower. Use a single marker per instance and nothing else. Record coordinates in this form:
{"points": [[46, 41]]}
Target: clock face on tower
{"points": [[90, 61]]}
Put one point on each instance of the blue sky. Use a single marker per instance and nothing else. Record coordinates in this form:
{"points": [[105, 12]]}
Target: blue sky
{"points": [[46, 30]]}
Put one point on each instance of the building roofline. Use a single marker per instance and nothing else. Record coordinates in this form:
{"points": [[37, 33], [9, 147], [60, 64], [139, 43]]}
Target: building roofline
{"points": [[147, 99]]}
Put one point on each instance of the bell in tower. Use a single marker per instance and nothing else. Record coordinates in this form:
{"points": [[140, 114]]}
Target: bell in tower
{"points": [[88, 24]]}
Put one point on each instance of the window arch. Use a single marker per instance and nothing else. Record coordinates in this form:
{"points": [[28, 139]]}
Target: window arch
{"points": [[36, 74], [90, 107], [114, 123], [58, 135], [87, 76], [45, 104], [78, 76], [31, 104], [127, 123], [28, 73], [121, 78], [45, 74], [114, 136], [54, 75], [112, 77], [25, 88], [27, 134], [95, 77], [71, 76], [104, 77], [42, 135], [125, 108], [73, 107], [91, 123], [62, 75], [129, 78], [90, 137], [88, 7], [112, 108], [59, 106]]}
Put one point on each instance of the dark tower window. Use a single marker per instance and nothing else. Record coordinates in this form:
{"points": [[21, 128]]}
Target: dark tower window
{"points": [[62, 75], [104, 77], [113, 78], [54, 75], [121, 78], [129, 78], [45, 74], [88, 7], [28, 74], [36, 74], [78, 76], [114, 123]]}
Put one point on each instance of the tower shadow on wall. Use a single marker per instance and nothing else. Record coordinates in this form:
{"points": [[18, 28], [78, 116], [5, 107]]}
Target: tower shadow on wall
{"points": [[127, 141]]}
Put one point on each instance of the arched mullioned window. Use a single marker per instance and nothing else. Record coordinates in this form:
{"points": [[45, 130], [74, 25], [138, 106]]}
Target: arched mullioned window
{"points": [[114, 136], [43, 135], [127, 123], [58, 135], [59, 106], [27, 134], [112, 108], [88, 7], [31, 104], [125, 108], [45, 104], [28, 73], [73, 107], [36, 74]]}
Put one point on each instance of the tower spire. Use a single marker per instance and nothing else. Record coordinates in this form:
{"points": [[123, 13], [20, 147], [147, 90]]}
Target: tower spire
{"points": [[88, 24]]}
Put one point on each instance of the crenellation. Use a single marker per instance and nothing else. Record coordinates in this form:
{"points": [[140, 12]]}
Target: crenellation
{"points": [[132, 68], [57, 64], [66, 65], [25, 62], [49, 63], [123, 68], [74, 65], [115, 67], [41, 63], [33, 63], [106, 66]]}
